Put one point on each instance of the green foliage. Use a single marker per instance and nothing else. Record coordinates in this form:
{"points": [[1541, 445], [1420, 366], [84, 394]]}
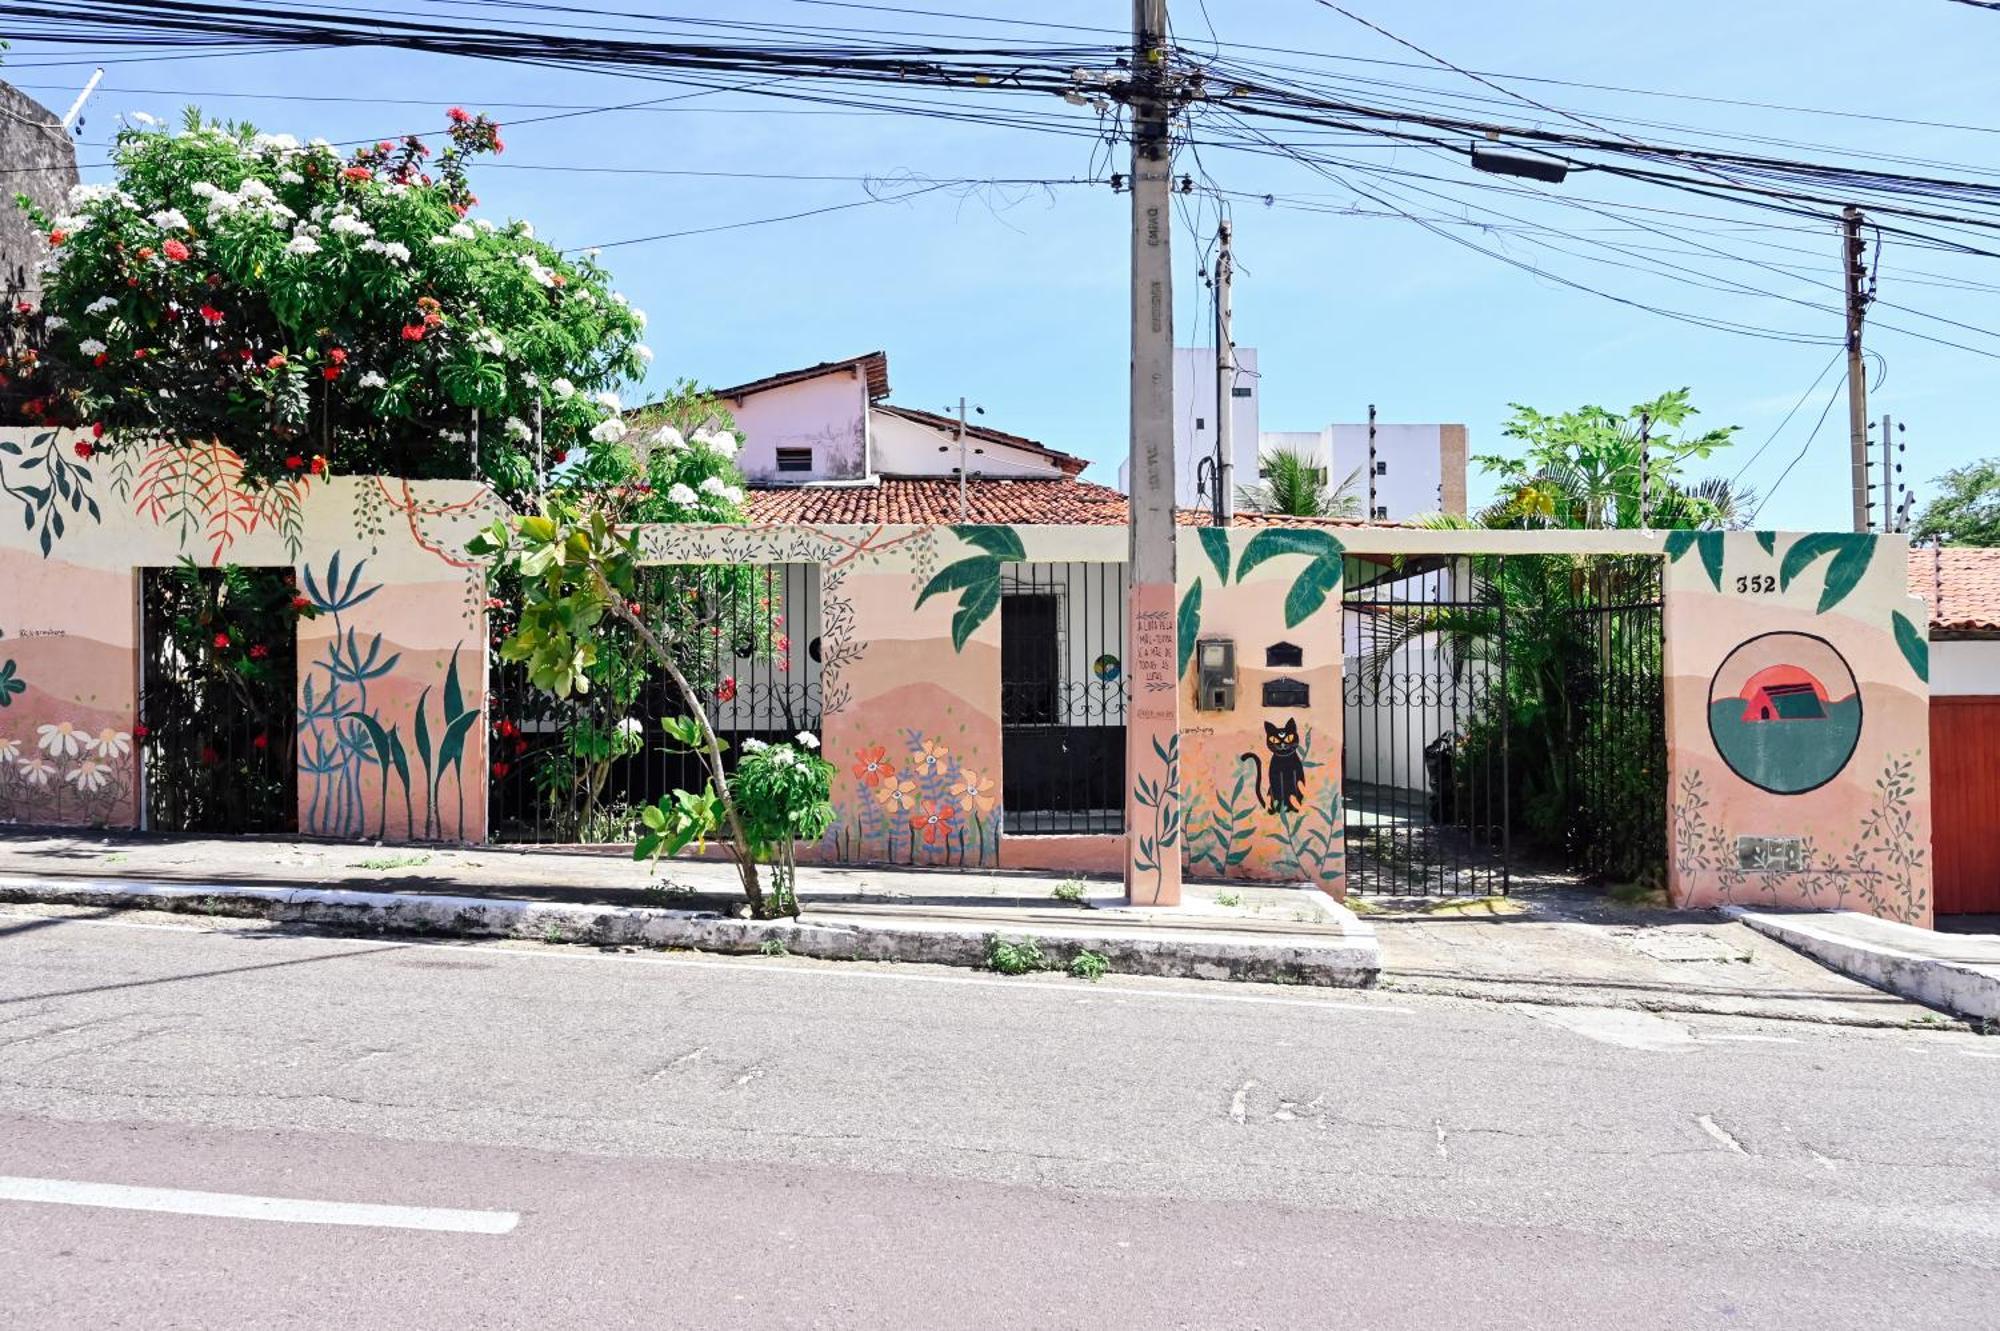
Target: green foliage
{"points": [[1215, 540], [1163, 796], [1228, 899], [309, 309], [1293, 484], [785, 794], [1583, 469], [1088, 965], [1968, 512], [679, 819], [1014, 956], [1312, 584], [1916, 648], [1069, 890], [773, 947]]}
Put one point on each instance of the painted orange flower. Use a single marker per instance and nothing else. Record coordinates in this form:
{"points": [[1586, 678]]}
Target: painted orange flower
{"points": [[872, 766], [931, 757], [895, 794], [935, 821], [974, 790]]}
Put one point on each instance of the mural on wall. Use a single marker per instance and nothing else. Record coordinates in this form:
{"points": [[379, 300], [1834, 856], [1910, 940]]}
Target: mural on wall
{"points": [[1799, 724], [920, 805], [1784, 712], [59, 772], [411, 626], [1261, 787], [345, 747]]}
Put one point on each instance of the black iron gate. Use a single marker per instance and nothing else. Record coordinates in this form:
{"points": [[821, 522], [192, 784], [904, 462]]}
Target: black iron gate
{"points": [[578, 768], [1062, 698], [1504, 718], [217, 699], [1423, 767]]}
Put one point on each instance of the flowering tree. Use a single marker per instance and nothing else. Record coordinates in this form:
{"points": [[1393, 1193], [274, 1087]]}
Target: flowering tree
{"points": [[309, 309]]}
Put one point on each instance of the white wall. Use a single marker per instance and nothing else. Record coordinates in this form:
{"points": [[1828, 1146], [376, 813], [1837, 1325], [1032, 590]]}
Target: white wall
{"points": [[1965, 667], [828, 414], [1194, 419], [903, 447], [1412, 463]]}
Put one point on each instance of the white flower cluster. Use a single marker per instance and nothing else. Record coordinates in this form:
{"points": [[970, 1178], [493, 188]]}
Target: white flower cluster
{"points": [[345, 223], [101, 304], [719, 442], [680, 494], [489, 342], [608, 401], [536, 270], [562, 388], [373, 379], [518, 429], [90, 346], [302, 243], [169, 219], [608, 431], [275, 144], [389, 249]]}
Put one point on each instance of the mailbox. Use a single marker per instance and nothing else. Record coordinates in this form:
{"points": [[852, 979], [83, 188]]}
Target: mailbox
{"points": [[1215, 675]]}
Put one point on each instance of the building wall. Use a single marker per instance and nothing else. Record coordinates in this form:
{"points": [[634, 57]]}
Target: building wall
{"points": [[400, 630], [828, 415], [1419, 468], [1830, 809], [903, 447], [1195, 420], [41, 162], [1966, 667]]}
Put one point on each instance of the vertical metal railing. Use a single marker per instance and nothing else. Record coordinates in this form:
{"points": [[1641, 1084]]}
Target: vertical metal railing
{"points": [[1062, 698]]}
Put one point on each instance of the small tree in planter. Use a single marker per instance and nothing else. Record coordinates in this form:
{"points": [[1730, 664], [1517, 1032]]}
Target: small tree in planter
{"points": [[309, 310]]}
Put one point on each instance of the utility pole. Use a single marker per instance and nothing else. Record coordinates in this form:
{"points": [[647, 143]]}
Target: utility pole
{"points": [[1153, 713], [1857, 378], [963, 503], [76, 107], [1371, 462], [1225, 382]]}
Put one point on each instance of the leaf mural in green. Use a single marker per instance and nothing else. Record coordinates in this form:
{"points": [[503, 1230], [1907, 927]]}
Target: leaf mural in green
{"points": [[1314, 583], [976, 578], [1187, 627], [1915, 647], [1215, 540], [9, 685], [1708, 543], [1851, 552]]}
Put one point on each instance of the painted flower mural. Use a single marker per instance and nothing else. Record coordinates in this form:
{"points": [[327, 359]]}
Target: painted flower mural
{"points": [[919, 805]]}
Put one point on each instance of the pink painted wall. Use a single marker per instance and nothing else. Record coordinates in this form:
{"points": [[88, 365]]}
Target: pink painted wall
{"points": [[1798, 731], [382, 560], [828, 414], [1263, 782]]}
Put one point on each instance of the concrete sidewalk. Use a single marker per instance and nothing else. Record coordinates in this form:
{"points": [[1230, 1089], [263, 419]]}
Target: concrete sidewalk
{"points": [[1244, 932], [1956, 972]]}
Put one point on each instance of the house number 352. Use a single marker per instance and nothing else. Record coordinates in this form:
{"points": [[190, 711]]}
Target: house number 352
{"points": [[1759, 582]]}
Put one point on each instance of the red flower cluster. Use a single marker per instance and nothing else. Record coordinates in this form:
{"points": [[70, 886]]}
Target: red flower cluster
{"points": [[258, 651], [221, 642], [175, 250], [210, 315]]}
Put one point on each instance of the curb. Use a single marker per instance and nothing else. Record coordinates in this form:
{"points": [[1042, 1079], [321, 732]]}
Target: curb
{"points": [[1351, 960], [1963, 988]]}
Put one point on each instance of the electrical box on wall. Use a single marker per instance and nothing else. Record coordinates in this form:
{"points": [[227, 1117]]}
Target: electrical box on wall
{"points": [[1215, 675]]}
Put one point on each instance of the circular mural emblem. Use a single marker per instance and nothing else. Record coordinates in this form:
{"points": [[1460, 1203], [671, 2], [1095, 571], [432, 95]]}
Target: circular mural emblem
{"points": [[1784, 712], [1105, 667]]}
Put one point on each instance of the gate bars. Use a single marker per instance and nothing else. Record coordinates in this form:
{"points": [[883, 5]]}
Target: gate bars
{"points": [[1062, 698]]}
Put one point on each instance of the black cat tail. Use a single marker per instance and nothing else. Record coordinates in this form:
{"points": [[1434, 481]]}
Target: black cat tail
{"points": [[1258, 764]]}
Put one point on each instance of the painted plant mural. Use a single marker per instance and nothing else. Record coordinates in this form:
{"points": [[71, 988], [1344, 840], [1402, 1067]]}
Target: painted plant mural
{"points": [[351, 740], [60, 772], [919, 804]]}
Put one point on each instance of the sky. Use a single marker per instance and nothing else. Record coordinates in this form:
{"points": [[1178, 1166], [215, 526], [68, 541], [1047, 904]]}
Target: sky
{"points": [[1015, 296]]}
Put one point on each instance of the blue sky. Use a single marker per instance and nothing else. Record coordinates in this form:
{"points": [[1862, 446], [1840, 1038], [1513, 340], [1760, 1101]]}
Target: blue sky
{"points": [[1016, 297]]}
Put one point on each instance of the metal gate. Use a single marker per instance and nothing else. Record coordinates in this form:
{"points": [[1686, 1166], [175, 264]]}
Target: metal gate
{"points": [[1062, 698], [217, 700], [576, 769], [1504, 719]]}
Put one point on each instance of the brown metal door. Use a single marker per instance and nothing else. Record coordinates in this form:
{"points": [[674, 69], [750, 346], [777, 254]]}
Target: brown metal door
{"points": [[1965, 803]]}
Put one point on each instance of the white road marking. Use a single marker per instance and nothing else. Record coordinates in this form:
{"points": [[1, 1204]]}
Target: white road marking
{"points": [[1237, 1107], [1619, 1026], [843, 971], [1443, 1154], [1715, 1130], [239, 1206], [749, 1076], [1751, 1039], [1978, 1053], [1826, 1160]]}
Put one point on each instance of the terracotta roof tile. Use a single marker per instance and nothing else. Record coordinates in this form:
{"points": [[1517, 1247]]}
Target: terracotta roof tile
{"points": [[934, 500], [1961, 585]]}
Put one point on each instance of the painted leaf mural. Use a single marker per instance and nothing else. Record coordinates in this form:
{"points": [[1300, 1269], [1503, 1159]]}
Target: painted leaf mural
{"points": [[1709, 544], [1215, 540], [1851, 553], [1915, 647], [1314, 583], [976, 578]]}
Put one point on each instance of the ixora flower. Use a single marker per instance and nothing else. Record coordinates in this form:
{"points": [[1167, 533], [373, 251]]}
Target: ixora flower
{"points": [[713, 485], [90, 774], [111, 743], [169, 219], [60, 739], [518, 429], [754, 745], [101, 305], [175, 250]]}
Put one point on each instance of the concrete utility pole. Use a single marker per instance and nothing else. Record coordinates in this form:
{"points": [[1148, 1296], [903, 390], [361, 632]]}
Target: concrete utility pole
{"points": [[1857, 377], [963, 502], [1153, 712], [1225, 381]]}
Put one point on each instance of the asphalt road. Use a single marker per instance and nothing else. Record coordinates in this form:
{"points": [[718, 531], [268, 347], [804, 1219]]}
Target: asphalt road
{"points": [[592, 1140]]}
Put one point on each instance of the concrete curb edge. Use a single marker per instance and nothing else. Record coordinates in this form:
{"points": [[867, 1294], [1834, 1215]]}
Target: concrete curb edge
{"points": [[1934, 981]]}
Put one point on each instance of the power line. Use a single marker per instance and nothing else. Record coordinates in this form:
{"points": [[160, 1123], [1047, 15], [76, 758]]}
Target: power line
{"points": [[1770, 494]]}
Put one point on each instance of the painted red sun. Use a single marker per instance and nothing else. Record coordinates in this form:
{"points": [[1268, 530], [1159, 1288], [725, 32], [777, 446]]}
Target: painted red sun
{"points": [[1779, 676]]}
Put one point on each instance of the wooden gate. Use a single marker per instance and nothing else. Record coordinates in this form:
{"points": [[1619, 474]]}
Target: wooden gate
{"points": [[1965, 803]]}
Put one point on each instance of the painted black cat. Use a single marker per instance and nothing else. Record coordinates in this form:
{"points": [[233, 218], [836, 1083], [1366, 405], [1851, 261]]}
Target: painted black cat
{"points": [[1287, 771]]}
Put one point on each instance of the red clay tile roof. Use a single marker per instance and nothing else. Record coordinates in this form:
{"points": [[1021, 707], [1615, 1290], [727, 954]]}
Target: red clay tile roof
{"points": [[1069, 462], [1961, 585], [934, 499], [874, 365]]}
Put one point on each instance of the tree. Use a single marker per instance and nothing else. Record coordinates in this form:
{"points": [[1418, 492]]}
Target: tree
{"points": [[1968, 512], [1292, 483], [1586, 468], [312, 310]]}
